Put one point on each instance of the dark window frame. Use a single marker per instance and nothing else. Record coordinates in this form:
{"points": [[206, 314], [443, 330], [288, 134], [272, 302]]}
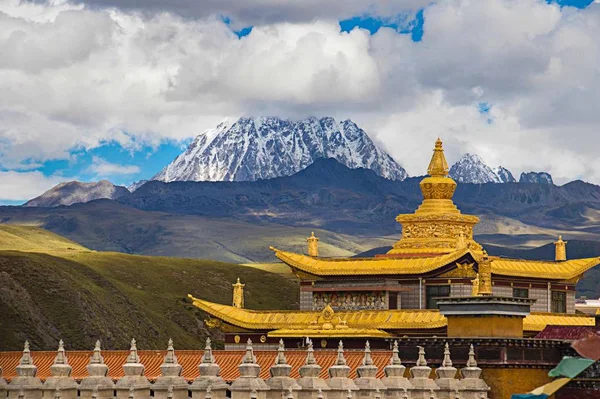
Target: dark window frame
{"points": [[521, 292], [441, 291], [558, 300]]}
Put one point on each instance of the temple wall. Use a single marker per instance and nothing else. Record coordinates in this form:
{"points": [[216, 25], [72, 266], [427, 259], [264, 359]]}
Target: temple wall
{"points": [[571, 302], [350, 300], [460, 289], [306, 300], [410, 299]]}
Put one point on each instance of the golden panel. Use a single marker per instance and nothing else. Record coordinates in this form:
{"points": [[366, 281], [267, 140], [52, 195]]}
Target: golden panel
{"points": [[486, 326], [236, 339]]}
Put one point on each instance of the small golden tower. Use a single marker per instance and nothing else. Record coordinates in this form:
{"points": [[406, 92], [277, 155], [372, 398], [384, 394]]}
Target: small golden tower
{"points": [[560, 249], [313, 245], [437, 226], [485, 275], [238, 294]]}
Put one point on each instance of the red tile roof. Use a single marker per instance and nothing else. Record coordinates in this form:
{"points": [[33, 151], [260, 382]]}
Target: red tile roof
{"points": [[189, 359], [568, 333]]}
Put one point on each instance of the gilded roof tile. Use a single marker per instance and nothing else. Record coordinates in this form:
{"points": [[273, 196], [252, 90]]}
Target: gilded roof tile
{"points": [[278, 319], [367, 266], [561, 270], [537, 321], [366, 319]]}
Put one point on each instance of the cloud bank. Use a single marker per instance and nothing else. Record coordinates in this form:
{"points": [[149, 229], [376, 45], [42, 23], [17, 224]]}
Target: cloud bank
{"points": [[78, 75]]}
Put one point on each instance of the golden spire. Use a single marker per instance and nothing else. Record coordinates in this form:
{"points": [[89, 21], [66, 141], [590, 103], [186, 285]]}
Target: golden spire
{"points": [[313, 245], [238, 294], [437, 226], [438, 167], [560, 249]]}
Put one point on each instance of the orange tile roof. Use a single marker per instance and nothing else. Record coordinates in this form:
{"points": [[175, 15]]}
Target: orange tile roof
{"points": [[189, 359]]}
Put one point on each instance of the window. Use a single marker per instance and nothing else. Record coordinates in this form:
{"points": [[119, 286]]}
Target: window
{"points": [[559, 302], [520, 293], [436, 291]]}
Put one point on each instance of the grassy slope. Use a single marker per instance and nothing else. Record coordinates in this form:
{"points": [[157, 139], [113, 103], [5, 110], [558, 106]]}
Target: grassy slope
{"points": [[80, 295]]}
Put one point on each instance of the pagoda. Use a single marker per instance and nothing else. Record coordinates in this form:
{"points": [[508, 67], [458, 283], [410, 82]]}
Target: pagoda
{"points": [[396, 294]]}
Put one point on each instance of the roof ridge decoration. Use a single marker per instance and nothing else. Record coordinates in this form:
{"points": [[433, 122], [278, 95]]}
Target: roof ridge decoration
{"points": [[132, 366], [421, 361], [340, 360], [26, 368], [96, 357], [310, 353], [170, 357], [249, 357], [280, 359], [447, 362], [208, 357], [395, 359], [60, 358], [367, 360], [96, 366], [133, 354], [170, 366], [471, 362], [61, 367]]}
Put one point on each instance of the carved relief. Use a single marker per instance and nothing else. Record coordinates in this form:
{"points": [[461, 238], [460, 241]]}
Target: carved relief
{"points": [[463, 270], [350, 300], [436, 230]]}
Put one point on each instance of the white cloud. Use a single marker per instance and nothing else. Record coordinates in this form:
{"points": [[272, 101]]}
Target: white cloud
{"points": [[78, 78], [103, 168], [22, 186]]}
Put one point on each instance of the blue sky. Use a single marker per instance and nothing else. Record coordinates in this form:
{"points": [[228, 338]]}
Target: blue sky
{"points": [[109, 160]]}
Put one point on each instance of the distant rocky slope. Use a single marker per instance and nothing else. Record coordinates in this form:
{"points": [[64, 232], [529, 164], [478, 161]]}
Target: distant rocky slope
{"points": [[254, 148], [76, 192]]}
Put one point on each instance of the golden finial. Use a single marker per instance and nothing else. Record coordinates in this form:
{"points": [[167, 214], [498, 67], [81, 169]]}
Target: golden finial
{"points": [[238, 294], [560, 247], [313, 245], [438, 167]]}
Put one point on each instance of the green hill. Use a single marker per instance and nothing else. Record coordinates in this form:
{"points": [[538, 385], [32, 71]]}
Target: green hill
{"points": [[34, 239], [80, 295]]}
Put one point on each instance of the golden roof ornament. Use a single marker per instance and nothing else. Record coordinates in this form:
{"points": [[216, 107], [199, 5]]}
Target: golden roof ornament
{"points": [[238, 294], [313, 244], [560, 249], [485, 275]]}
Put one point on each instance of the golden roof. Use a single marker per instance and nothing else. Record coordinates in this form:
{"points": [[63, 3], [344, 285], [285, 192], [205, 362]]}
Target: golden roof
{"points": [[366, 266], [537, 321], [369, 323], [346, 333], [298, 320], [562, 270]]}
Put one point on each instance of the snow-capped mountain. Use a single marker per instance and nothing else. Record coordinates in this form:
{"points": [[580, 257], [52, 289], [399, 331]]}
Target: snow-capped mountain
{"points": [[504, 175], [135, 185], [266, 147], [536, 177], [470, 168]]}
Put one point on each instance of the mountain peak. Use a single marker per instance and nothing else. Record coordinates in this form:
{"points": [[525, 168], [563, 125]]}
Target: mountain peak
{"points": [[254, 148], [72, 192], [536, 177], [470, 168]]}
